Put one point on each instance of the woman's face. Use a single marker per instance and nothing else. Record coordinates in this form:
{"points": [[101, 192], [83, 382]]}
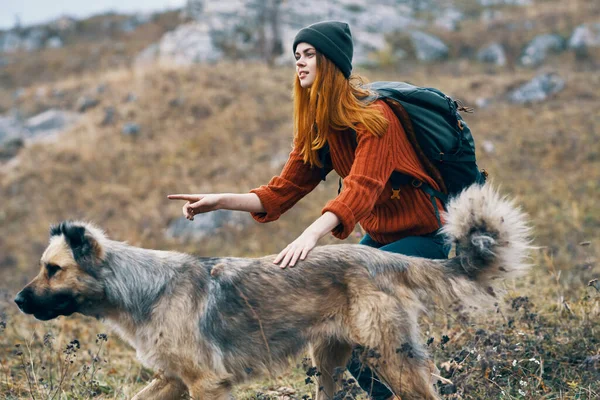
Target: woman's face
{"points": [[306, 64]]}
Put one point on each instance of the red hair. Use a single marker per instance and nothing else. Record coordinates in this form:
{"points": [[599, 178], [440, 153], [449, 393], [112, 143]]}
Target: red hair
{"points": [[332, 103]]}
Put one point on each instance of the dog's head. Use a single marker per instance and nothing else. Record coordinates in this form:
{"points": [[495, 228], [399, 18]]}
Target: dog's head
{"points": [[68, 280]]}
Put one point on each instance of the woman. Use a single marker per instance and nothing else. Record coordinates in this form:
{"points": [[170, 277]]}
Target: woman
{"points": [[327, 107]]}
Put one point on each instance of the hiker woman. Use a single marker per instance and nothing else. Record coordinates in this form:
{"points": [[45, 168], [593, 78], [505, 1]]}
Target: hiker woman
{"points": [[327, 110]]}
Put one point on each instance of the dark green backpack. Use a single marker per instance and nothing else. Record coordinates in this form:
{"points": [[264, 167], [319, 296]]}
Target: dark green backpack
{"points": [[438, 133]]}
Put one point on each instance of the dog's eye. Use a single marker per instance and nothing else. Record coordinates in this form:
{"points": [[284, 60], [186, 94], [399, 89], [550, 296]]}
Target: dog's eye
{"points": [[52, 269]]}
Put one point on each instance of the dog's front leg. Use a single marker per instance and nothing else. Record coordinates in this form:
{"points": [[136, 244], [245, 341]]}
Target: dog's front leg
{"points": [[163, 388]]}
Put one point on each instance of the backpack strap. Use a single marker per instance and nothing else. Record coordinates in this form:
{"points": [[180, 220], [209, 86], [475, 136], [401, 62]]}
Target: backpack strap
{"points": [[325, 159], [433, 194]]}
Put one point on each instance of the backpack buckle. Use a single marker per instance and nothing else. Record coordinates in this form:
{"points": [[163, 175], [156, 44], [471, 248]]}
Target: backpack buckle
{"points": [[395, 194]]}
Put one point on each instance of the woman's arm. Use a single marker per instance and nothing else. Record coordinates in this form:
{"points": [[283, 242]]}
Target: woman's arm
{"points": [[241, 202], [202, 203], [300, 247]]}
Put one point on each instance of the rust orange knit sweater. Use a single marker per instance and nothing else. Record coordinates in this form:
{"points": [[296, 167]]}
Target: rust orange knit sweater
{"points": [[366, 194]]}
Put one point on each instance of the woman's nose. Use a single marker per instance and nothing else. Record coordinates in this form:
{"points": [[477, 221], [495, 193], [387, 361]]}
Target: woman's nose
{"points": [[299, 62]]}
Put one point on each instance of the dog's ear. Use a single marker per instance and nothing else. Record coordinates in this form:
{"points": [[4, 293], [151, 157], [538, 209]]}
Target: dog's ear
{"points": [[81, 240]]}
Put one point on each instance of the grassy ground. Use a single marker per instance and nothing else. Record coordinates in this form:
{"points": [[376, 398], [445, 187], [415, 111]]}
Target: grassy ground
{"points": [[228, 131]]}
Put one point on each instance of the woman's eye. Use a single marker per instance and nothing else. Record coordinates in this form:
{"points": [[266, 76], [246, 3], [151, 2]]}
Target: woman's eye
{"points": [[52, 269]]}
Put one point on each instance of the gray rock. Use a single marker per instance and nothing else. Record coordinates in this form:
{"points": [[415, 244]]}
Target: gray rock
{"points": [[493, 54], [538, 89], [428, 47], [177, 102], [84, 103], [490, 15], [537, 50], [193, 9], [365, 45], [384, 19], [11, 148], [41, 126], [49, 123], [34, 40], [235, 25], [10, 42], [188, 44], [109, 116], [130, 98], [10, 128], [54, 43], [585, 36], [207, 224], [449, 19], [101, 88], [130, 129]]}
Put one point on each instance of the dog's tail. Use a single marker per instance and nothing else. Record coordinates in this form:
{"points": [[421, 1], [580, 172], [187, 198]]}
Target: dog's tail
{"points": [[491, 235]]}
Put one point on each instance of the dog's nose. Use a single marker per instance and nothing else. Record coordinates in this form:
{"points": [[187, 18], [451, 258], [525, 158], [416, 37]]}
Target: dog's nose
{"points": [[20, 300]]}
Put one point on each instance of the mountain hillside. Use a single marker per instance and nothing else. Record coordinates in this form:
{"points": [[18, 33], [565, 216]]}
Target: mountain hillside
{"points": [[106, 142]]}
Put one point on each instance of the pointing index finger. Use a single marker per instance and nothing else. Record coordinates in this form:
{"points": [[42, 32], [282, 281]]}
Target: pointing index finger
{"points": [[187, 197]]}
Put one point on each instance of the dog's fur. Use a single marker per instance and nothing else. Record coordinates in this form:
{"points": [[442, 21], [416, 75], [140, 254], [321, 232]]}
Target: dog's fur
{"points": [[209, 323]]}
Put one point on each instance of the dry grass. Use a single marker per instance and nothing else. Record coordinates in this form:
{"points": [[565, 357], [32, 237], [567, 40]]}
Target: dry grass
{"points": [[227, 133]]}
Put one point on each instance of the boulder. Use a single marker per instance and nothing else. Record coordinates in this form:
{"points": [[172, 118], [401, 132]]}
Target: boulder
{"points": [[49, 122], [449, 19], [34, 40], [492, 54], [84, 103], [428, 47], [365, 44], [9, 42], [189, 43], [11, 148], [54, 43], [10, 127], [207, 224], [585, 36], [130, 129], [538, 89], [109, 116], [537, 50]]}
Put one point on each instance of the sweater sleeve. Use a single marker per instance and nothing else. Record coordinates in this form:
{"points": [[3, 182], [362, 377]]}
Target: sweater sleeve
{"points": [[296, 180], [374, 162]]}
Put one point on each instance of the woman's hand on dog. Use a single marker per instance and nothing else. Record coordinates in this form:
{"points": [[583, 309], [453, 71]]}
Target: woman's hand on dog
{"points": [[197, 203], [297, 250]]}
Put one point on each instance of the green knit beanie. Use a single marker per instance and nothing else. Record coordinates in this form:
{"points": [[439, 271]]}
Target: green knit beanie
{"points": [[331, 38]]}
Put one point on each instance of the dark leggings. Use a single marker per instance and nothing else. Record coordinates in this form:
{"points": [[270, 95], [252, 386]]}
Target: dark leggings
{"points": [[427, 246]]}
